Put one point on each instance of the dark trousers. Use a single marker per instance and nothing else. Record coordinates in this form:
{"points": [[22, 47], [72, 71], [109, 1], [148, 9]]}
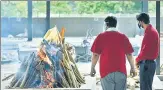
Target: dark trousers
{"points": [[147, 71]]}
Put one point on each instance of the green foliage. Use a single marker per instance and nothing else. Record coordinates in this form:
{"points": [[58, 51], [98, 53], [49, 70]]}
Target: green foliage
{"points": [[161, 8], [38, 7], [60, 7], [152, 8], [19, 8], [12, 9]]}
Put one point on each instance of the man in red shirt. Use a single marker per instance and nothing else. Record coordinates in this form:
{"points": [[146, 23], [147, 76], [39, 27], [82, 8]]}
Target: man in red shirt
{"points": [[112, 47], [149, 52]]}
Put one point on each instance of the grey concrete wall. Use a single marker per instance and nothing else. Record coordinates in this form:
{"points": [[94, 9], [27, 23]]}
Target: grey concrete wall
{"points": [[78, 26], [75, 26], [13, 26]]}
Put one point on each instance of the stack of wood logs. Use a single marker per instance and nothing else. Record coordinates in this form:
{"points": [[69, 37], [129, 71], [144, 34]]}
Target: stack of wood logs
{"points": [[51, 67]]}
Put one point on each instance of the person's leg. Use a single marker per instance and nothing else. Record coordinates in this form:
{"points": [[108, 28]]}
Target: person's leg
{"points": [[147, 71], [120, 81], [142, 76], [151, 72], [107, 82]]}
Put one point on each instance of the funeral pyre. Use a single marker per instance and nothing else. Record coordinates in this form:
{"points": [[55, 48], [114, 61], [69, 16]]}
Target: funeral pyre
{"points": [[51, 67]]}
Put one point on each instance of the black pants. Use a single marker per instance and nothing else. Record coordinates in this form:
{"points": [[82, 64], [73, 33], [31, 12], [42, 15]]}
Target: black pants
{"points": [[147, 71]]}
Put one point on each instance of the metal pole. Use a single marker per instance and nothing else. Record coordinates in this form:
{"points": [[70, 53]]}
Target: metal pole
{"points": [[158, 29], [30, 34], [47, 15], [145, 6]]}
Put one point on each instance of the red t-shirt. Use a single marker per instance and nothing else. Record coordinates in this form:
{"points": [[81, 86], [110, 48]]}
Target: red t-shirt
{"points": [[112, 47], [150, 45]]}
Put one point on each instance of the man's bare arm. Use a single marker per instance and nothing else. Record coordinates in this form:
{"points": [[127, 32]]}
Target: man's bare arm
{"points": [[95, 58], [132, 64], [130, 60]]}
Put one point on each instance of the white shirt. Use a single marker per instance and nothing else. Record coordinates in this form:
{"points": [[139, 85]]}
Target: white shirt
{"points": [[112, 29]]}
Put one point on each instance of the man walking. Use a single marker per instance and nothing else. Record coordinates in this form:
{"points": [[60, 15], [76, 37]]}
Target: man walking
{"points": [[149, 52], [112, 47]]}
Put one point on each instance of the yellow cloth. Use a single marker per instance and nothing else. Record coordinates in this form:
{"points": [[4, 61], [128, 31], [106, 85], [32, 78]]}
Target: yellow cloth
{"points": [[52, 35]]}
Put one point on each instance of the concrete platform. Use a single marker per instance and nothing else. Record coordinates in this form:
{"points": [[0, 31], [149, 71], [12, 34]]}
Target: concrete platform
{"points": [[7, 69], [160, 77], [157, 83], [84, 68]]}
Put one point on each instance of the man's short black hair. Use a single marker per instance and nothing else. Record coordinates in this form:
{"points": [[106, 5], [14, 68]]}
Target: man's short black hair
{"points": [[111, 21], [144, 17]]}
